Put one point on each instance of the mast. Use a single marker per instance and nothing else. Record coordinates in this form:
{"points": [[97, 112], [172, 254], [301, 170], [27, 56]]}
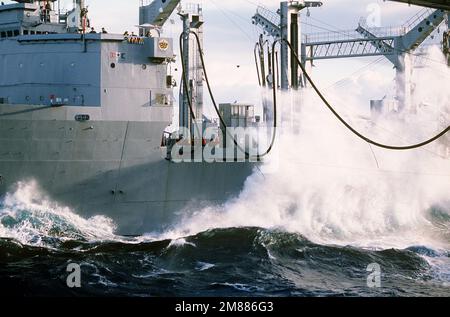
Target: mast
{"points": [[192, 17], [290, 30]]}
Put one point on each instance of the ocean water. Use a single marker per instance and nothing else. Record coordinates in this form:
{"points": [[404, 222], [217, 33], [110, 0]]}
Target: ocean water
{"points": [[221, 262], [39, 240]]}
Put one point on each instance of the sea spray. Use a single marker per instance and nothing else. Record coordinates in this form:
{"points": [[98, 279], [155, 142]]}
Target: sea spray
{"points": [[31, 218], [334, 188], [325, 184]]}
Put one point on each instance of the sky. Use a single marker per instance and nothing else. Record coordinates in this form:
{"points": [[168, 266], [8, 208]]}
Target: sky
{"points": [[230, 38]]}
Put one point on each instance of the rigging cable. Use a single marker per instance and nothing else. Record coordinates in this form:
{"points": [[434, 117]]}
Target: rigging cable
{"points": [[260, 69], [336, 114], [313, 85], [256, 63], [343, 81], [232, 21], [223, 124], [186, 87], [319, 93]]}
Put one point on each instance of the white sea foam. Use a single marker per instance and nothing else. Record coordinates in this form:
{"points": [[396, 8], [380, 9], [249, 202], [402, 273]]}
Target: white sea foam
{"points": [[241, 287], [27, 216], [180, 242], [334, 188], [202, 266]]}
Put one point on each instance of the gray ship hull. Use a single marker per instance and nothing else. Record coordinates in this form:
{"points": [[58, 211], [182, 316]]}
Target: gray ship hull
{"points": [[112, 168]]}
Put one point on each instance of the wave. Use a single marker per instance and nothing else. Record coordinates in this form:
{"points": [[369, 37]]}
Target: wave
{"points": [[333, 188], [234, 262], [30, 218]]}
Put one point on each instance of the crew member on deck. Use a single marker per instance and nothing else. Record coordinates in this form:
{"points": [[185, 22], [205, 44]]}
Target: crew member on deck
{"points": [[47, 10]]}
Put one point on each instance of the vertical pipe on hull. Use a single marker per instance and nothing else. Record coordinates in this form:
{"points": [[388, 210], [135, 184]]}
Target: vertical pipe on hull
{"points": [[198, 75], [284, 11], [447, 39], [263, 64], [402, 75], [295, 48], [266, 115], [185, 117], [306, 64], [277, 70], [402, 82]]}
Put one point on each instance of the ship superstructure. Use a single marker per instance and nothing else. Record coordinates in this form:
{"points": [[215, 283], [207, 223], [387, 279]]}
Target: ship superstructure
{"points": [[101, 76]]}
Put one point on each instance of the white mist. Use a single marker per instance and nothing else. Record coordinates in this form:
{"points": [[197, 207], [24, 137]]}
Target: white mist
{"points": [[333, 188]]}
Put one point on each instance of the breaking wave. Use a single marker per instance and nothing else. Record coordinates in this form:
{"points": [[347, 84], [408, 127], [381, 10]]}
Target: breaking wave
{"points": [[222, 262], [30, 218]]}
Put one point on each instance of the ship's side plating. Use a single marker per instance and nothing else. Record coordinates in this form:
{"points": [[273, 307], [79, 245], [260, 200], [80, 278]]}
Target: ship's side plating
{"points": [[113, 168], [124, 78]]}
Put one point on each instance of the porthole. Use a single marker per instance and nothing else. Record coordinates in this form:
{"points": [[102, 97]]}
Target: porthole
{"points": [[420, 29], [144, 67], [113, 65]]}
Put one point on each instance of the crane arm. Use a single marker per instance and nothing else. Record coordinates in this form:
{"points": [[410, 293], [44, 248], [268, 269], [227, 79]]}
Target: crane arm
{"points": [[437, 4], [157, 12]]}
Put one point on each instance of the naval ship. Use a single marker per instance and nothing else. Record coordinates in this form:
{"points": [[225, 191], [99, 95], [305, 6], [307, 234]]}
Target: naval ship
{"points": [[85, 115], [90, 117]]}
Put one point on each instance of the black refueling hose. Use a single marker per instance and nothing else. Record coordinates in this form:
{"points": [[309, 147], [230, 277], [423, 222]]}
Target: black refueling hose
{"points": [[347, 125], [223, 125], [274, 90], [256, 64]]}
